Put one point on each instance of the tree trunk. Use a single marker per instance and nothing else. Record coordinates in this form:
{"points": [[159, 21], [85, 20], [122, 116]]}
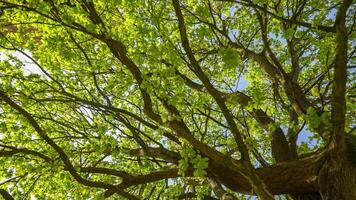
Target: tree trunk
{"points": [[337, 177]]}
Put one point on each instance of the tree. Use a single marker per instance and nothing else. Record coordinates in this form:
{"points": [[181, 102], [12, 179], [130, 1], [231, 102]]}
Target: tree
{"points": [[177, 99]]}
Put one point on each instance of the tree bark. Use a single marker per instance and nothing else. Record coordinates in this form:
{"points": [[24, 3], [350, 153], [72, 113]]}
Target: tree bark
{"points": [[337, 177]]}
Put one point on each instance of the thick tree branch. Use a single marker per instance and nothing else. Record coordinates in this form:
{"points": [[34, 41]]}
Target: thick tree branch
{"points": [[293, 177], [219, 190], [206, 82], [338, 101], [257, 184], [6, 195], [14, 150]]}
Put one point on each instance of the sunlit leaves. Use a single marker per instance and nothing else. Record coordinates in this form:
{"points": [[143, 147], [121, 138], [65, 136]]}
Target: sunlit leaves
{"points": [[93, 106], [314, 120], [191, 158], [230, 57]]}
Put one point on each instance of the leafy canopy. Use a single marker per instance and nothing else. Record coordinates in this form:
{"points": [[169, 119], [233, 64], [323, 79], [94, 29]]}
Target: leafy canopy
{"points": [[158, 99]]}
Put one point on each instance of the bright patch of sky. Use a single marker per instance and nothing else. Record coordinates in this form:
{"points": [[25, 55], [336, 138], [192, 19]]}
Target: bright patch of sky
{"points": [[305, 136], [29, 67], [241, 84]]}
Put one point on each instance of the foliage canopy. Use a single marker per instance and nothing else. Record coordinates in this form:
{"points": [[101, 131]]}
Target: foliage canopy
{"points": [[177, 99]]}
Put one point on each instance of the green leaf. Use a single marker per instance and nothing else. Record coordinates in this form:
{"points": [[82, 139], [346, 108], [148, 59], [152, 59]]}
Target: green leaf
{"points": [[230, 57]]}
